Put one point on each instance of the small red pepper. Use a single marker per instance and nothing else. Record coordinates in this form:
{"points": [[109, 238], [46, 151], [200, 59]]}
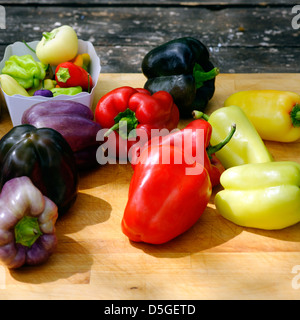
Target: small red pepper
{"points": [[195, 135], [68, 74], [164, 201], [139, 110]]}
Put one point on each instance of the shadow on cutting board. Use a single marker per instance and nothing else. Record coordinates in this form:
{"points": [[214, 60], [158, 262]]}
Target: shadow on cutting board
{"points": [[70, 264]]}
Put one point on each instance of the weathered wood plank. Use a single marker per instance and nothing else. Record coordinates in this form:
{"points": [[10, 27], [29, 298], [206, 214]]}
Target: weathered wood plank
{"points": [[241, 39], [125, 59], [125, 3], [229, 60], [234, 27]]}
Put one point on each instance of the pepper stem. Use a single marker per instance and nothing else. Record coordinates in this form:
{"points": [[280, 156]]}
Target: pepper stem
{"points": [[28, 46], [201, 76], [213, 149], [199, 115], [125, 123], [63, 74], [27, 231], [49, 35], [295, 115]]}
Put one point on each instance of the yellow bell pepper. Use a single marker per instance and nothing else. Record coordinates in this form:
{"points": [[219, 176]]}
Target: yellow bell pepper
{"points": [[261, 195], [274, 113]]}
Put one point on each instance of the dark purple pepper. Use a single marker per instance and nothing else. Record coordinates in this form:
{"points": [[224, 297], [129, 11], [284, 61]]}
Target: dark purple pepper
{"points": [[74, 121], [43, 93]]}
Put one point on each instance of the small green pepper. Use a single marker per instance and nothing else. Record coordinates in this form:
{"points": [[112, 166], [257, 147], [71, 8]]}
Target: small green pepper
{"points": [[25, 70], [68, 91]]}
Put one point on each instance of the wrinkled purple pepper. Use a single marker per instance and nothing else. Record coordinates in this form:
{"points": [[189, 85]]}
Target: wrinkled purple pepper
{"points": [[27, 224], [74, 121]]}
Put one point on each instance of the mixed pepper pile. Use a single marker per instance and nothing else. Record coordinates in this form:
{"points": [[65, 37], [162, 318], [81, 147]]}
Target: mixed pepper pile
{"points": [[57, 71], [174, 173]]}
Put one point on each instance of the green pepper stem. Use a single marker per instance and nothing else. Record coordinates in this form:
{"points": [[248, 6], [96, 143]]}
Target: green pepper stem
{"points": [[63, 74], [118, 126], [295, 115], [201, 76], [47, 35], [125, 122], [27, 231], [200, 115], [28, 46], [89, 89], [213, 149]]}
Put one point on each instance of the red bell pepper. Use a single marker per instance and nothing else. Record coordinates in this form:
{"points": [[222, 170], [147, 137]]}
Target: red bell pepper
{"points": [[163, 200], [68, 74], [138, 110], [195, 140]]}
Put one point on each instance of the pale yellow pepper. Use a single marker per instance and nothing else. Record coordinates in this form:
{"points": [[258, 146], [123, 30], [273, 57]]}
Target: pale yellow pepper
{"points": [[261, 195], [246, 145], [11, 87]]}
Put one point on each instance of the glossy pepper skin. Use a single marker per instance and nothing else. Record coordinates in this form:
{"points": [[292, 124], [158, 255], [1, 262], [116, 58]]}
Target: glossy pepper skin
{"points": [[72, 91], [27, 224], [74, 121], [58, 45], [45, 157], [182, 68], [246, 146], [68, 74], [163, 200], [25, 70], [194, 140], [261, 195], [138, 110], [274, 113]]}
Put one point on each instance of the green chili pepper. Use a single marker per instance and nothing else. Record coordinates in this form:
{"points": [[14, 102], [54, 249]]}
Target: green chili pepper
{"points": [[25, 70], [68, 91]]}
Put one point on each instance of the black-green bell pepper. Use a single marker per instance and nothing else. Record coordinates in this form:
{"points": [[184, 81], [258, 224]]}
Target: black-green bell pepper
{"points": [[182, 68], [45, 157]]}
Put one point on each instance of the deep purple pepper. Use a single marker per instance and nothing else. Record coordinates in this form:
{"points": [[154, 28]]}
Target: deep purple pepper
{"points": [[44, 93], [74, 121], [27, 224]]}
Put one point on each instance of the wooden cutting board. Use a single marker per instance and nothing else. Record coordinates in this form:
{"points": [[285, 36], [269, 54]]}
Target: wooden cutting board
{"points": [[215, 259]]}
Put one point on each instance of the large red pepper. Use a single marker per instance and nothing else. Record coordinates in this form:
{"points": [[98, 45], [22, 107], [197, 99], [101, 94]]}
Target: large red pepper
{"points": [[164, 201], [139, 110], [194, 140]]}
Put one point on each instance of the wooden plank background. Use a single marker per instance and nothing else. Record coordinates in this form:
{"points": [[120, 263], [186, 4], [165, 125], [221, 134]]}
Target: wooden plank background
{"points": [[242, 35]]}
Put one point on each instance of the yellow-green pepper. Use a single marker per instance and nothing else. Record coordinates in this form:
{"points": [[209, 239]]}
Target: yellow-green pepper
{"points": [[274, 113], [246, 146], [71, 91], [261, 195], [11, 87], [25, 70]]}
